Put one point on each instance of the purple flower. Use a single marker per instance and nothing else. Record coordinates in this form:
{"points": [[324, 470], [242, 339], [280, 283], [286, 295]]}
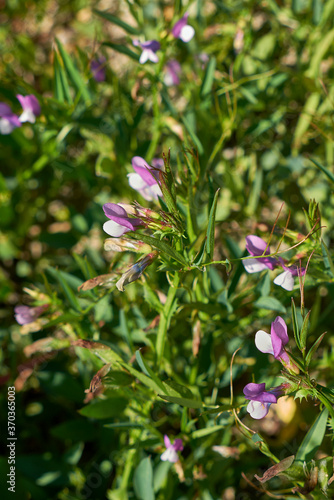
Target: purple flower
{"points": [[8, 120], [149, 50], [144, 179], [257, 246], [170, 455], [25, 314], [30, 106], [260, 399], [286, 279], [98, 69], [120, 222], [182, 30], [172, 72], [275, 342]]}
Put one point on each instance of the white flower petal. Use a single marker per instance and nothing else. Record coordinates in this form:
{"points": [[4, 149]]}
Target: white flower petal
{"points": [[263, 342], [6, 127], [153, 56], [187, 32], [144, 56], [27, 116], [257, 410], [253, 265], [114, 229], [285, 280], [169, 455], [136, 182]]}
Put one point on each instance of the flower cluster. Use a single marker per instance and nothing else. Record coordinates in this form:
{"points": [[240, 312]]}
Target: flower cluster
{"points": [[125, 218], [9, 120], [273, 343], [257, 247]]}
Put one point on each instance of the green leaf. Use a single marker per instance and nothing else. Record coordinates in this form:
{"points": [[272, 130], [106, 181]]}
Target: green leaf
{"points": [[148, 371], [143, 480], [303, 332], [270, 303], [208, 77], [313, 350], [295, 324], [210, 233], [206, 432], [323, 169], [172, 388], [61, 87], [60, 277], [122, 49], [193, 136], [162, 246], [106, 408], [188, 403], [327, 258], [313, 438], [73, 74], [117, 21]]}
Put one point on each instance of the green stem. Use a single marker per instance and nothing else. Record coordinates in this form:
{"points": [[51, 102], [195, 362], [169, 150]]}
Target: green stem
{"points": [[165, 318]]}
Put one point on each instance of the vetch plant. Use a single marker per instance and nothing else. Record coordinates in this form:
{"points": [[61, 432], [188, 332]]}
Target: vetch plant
{"points": [[120, 222], [30, 106], [144, 179]]}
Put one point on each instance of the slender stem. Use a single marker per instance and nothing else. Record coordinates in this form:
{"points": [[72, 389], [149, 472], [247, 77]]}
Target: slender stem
{"points": [[165, 318]]}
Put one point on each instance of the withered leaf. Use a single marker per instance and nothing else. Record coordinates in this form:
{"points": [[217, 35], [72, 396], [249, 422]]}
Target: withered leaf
{"points": [[276, 469], [102, 280]]}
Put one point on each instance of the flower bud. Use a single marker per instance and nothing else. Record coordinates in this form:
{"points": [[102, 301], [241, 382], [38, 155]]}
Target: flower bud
{"points": [[125, 245], [136, 270]]}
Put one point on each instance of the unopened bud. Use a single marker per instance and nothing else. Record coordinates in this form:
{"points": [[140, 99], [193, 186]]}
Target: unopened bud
{"points": [[126, 245], [136, 270]]}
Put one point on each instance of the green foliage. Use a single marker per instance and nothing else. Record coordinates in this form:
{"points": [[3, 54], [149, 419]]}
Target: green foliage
{"points": [[101, 375]]}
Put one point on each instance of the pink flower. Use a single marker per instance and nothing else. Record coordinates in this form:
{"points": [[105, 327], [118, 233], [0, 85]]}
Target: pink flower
{"points": [[149, 50], [172, 72], [144, 179], [170, 455], [257, 246], [30, 106], [8, 120], [97, 67], [182, 30], [26, 314], [260, 399], [119, 223]]}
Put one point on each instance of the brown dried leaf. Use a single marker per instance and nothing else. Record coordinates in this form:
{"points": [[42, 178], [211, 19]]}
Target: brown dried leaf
{"points": [[96, 387], [276, 469], [197, 334], [103, 279]]}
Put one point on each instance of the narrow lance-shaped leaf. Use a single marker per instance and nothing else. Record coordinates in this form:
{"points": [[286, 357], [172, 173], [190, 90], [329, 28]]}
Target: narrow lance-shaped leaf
{"points": [[313, 438], [313, 350], [303, 332], [162, 246], [323, 169], [115, 20], [209, 77], [73, 74], [327, 258], [122, 49], [61, 86], [295, 324], [147, 370], [210, 234]]}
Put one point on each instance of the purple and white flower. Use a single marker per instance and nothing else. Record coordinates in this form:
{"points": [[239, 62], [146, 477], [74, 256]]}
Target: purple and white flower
{"points": [[260, 399], [25, 314], [287, 279], [135, 271], [144, 180], [172, 73], [149, 50], [30, 106], [170, 455], [257, 246], [182, 30], [120, 222], [8, 120], [97, 67], [274, 342]]}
